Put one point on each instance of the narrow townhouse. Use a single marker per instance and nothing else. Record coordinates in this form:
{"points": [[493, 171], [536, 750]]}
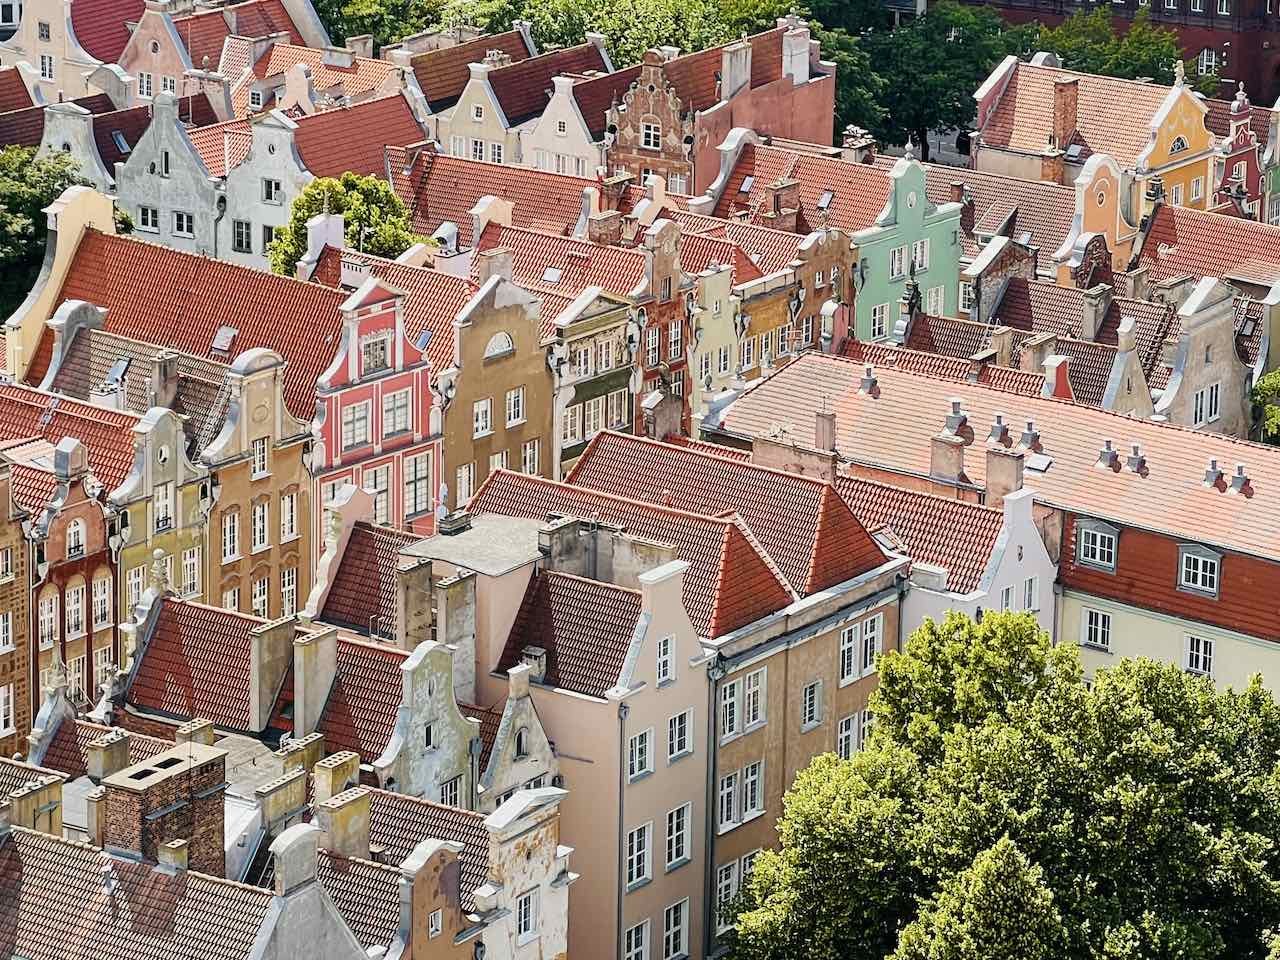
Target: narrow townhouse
{"points": [[17, 705], [441, 59], [70, 45]]}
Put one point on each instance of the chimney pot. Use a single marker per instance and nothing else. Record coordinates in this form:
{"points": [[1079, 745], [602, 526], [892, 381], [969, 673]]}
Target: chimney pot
{"points": [[956, 419], [869, 383], [1212, 476], [1240, 480], [173, 856], [1030, 438], [1108, 457], [999, 431], [1136, 462]]}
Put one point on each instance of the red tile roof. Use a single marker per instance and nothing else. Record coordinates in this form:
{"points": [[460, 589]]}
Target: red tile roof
{"points": [[222, 146], [355, 138], [699, 252], [366, 894], [1194, 243], [68, 750], [524, 87], [398, 823], [442, 74], [595, 95], [196, 664], [25, 127], [1008, 206], [768, 249], [731, 582], [158, 295], [812, 536], [490, 720], [363, 594], [14, 775], [54, 903], [203, 33], [363, 76], [1218, 120], [893, 431], [99, 25], [616, 270], [697, 75], [432, 298], [132, 123], [941, 365], [584, 625], [360, 714], [14, 94]]}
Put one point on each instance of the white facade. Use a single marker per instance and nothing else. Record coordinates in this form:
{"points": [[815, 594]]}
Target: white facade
{"points": [[560, 141]]}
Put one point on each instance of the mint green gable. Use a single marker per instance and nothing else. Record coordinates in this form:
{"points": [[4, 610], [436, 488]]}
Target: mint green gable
{"points": [[909, 231]]}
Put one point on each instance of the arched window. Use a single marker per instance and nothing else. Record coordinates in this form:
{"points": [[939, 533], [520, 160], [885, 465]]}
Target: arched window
{"points": [[75, 538], [522, 743], [1179, 144], [500, 344]]}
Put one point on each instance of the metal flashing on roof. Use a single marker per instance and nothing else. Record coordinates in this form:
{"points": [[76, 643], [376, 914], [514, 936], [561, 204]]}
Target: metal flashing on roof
{"points": [[1073, 151], [118, 369]]}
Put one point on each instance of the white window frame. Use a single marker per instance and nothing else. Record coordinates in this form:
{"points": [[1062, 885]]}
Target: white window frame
{"points": [[635, 944], [811, 705], [355, 425], [1198, 653], [288, 591], [665, 670], [259, 526], [397, 412], [482, 418], [1095, 629], [417, 484], [527, 917], [101, 602], [679, 735], [728, 811], [639, 855], [726, 890], [640, 755], [230, 536], [1097, 545], [1199, 570], [678, 837], [879, 321], [515, 406], [675, 930], [650, 137], [289, 516]]}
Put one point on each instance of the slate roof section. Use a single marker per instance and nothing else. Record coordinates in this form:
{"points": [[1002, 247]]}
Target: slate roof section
{"points": [[894, 431], [159, 295], [100, 25], [523, 88], [442, 74], [731, 581], [1195, 243], [54, 904], [364, 76], [69, 749], [808, 531], [363, 594]]}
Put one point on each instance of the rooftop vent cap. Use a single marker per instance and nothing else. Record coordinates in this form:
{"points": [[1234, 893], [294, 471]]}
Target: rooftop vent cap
{"points": [[1136, 462], [1239, 480], [1213, 476], [1108, 456], [999, 431], [957, 418], [1030, 436], [869, 382]]}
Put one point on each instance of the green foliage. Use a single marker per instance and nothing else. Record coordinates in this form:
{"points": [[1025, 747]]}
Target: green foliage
{"points": [[858, 87], [376, 221], [28, 184], [1005, 809], [1266, 394], [630, 27]]}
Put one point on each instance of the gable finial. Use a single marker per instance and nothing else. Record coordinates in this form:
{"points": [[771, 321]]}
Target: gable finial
{"points": [[1179, 73], [909, 151]]}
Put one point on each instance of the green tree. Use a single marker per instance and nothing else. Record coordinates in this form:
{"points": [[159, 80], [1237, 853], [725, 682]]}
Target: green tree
{"points": [[630, 27], [1147, 806], [997, 909], [376, 221], [858, 87], [28, 184], [1266, 394]]}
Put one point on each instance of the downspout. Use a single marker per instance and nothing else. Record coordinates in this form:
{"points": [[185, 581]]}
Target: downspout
{"points": [[715, 673], [903, 581], [623, 710], [221, 206]]}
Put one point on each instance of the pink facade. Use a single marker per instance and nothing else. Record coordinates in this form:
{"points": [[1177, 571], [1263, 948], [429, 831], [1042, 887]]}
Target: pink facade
{"points": [[377, 426], [1239, 173]]}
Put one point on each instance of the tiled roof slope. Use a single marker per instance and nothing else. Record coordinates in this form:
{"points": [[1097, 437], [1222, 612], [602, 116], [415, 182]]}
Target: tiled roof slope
{"points": [[106, 434], [364, 75], [14, 774], [130, 124], [859, 191], [699, 252], [69, 748], [196, 664], [398, 823], [100, 25], [940, 365], [432, 298], [367, 896], [14, 94], [595, 95], [1008, 206], [893, 430], [25, 127], [54, 905], [490, 720], [523, 88], [616, 270], [731, 581], [363, 594], [159, 295], [768, 249], [696, 75], [1218, 120], [584, 625], [812, 536], [360, 713], [1195, 243], [203, 33], [355, 138], [222, 146], [442, 74]]}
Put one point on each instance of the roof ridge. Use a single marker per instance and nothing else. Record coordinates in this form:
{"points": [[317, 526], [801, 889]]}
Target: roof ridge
{"points": [[371, 646], [84, 410], [422, 802], [848, 479], [602, 584], [735, 521], [184, 602], [541, 56]]}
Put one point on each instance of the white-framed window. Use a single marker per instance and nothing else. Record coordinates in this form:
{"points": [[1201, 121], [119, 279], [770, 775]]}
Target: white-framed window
{"points": [[168, 84], [571, 425], [527, 916], [43, 30], [677, 183], [230, 536], [451, 791], [935, 301], [678, 742], [76, 676], [466, 477], [6, 563], [1207, 62], [75, 611], [640, 754], [593, 414], [1199, 656], [162, 506], [846, 736], [47, 620], [673, 339], [184, 224], [1175, 195], [652, 347], [289, 516], [753, 698], [1197, 188], [259, 594], [6, 631], [1198, 569], [635, 944], [231, 598], [148, 219], [726, 890], [457, 145], [258, 538], [811, 705], [1096, 629], [355, 425], [1031, 594], [146, 84], [1097, 546], [675, 933], [477, 150], [666, 665], [753, 789], [477, 111], [396, 416], [583, 360], [650, 136], [435, 922], [1197, 6], [1206, 405], [866, 721], [898, 263], [619, 407], [260, 447], [101, 602], [133, 585], [288, 591], [966, 296], [850, 640], [46, 67], [730, 708], [377, 481], [606, 355], [6, 709], [678, 834], [498, 461], [417, 484], [482, 417], [920, 254], [638, 854], [1224, 7], [530, 455], [872, 644], [495, 152], [747, 352], [103, 657], [728, 801], [722, 360], [879, 320], [255, 99], [1006, 598], [515, 406]]}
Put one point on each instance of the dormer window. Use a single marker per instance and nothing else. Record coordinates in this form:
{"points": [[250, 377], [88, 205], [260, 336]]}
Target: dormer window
{"points": [[1096, 545], [375, 355], [1199, 569]]}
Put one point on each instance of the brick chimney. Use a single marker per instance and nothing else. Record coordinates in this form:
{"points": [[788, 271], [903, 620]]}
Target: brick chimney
{"points": [[1004, 473], [344, 820], [1097, 300], [1002, 344], [1057, 377], [195, 731], [784, 204], [605, 227], [164, 380], [176, 795], [1066, 95], [960, 194], [946, 458]]}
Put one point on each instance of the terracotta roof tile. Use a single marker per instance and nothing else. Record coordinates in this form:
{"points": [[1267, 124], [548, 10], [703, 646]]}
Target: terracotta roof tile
{"points": [[150, 294], [585, 626], [442, 74], [1008, 206], [14, 774], [203, 33], [699, 252], [222, 146], [1218, 120], [366, 894], [581, 263], [54, 904], [731, 581], [595, 95], [1194, 243], [360, 713], [355, 138], [490, 720], [768, 249], [100, 25], [943, 366], [696, 75], [132, 123], [398, 823], [808, 531], [14, 94], [68, 750], [894, 431], [25, 127], [365, 75], [524, 87], [363, 594]]}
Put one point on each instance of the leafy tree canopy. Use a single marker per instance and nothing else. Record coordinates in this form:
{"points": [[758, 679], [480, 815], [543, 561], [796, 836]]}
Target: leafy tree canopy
{"points": [[376, 220], [1266, 394], [28, 184], [1005, 809]]}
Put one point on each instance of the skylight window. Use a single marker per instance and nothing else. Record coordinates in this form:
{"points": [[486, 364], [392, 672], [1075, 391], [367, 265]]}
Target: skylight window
{"points": [[118, 369], [121, 143], [824, 201], [552, 275], [747, 184], [224, 338]]}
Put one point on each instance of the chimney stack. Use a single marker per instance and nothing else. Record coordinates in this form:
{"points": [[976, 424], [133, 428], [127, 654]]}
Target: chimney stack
{"points": [[1002, 344], [293, 858], [1097, 301], [1004, 473], [335, 774], [494, 262], [270, 654], [946, 458], [536, 660], [1108, 456], [344, 819], [1213, 476], [999, 432], [824, 433], [869, 385], [173, 856], [315, 664], [1239, 480], [605, 227], [107, 754], [1030, 439], [1066, 94]]}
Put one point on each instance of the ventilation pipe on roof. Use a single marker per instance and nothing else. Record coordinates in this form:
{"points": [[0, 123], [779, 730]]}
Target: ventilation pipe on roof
{"points": [[1239, 480], [1213, 476], [999, 432], [1136, 462], [1030, 438], [1108, 456]]}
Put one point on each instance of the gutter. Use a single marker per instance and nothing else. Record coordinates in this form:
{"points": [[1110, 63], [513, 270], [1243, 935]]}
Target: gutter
{"points": [[715, 673]]}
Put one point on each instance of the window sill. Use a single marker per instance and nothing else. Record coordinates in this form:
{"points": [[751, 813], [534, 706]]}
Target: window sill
{"points": [[142, 229], [1198, 591], [635, 885], [1198, 673], [676, 758], [184, 236], [1100, 567], [9, 649], [481, 436], [1096, 647], [7, 731], [397, 434], [264, 475], [723, 828], [642, 775], [516, 423], [677, 864], [242, 250], [810, 726], [232, 559], [262, 549], [289, 539], [526, 938]]}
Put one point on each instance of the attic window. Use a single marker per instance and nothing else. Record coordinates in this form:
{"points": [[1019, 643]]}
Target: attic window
{"points": [[223, 339], [552, 275], [121, 143], [747, 184], [824, 201], [255, 99], [499, 345], [1179, 144], [1073, 151], [116, 374]]}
